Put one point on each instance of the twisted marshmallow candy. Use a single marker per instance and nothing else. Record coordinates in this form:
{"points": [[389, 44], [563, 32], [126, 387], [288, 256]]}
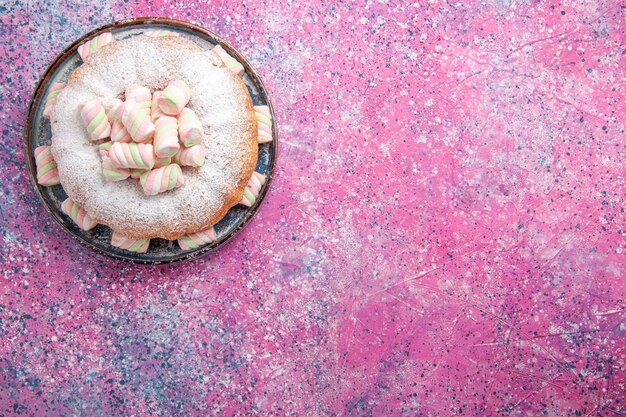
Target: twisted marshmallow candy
{"points": [[114, 110], [95, 120], [47, 172], [190, 128], [196, 240], [252, 190], [132, 155], [78, 214], [155, 109], [166, 137], [193, 156], [140, 94], [119, 133], [130, 244], [136, 120], [264, 121], [162, 179], [230, 62], [51, 99], [174, 98], [94, 44], [109, 170]]}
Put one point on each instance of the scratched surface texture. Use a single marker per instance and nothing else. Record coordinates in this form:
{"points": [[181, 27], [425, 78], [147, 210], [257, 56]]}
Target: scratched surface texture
{"points": [[445, 233]]}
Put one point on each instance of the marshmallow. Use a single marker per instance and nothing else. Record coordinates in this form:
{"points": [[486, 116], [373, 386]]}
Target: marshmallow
{"points": [[140, 94], [47, 172], [132, 155], [91, 46], [252, 190], [193, 156], [51, 99], [264, 122], [110, 171], [155, 109], [166, 137], [174, 98], [196, 240], [119, 133], [111, 108], [95, 120], [230, 62], [136, 120], [190, 128], [78, 215], [162, 179], [114, 109], [130, 244]]}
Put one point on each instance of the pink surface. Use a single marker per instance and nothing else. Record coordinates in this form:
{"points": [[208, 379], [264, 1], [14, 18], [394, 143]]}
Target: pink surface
{"points": [[444, 234]]}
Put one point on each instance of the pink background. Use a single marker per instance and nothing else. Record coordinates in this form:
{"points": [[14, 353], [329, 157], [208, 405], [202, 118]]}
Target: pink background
{"points": [[444, 235]]}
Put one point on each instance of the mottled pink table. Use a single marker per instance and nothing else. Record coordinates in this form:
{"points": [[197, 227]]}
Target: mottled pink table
{"points": [[445, 233]]}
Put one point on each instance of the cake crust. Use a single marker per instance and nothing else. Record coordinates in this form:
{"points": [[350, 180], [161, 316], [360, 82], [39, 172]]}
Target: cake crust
{"points": [[219, 98]]}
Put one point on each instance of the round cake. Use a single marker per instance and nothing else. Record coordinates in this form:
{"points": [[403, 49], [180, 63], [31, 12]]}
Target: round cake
{"points": [[218, 97]]}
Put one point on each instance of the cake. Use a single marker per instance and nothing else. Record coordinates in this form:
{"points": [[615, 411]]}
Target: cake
{"points": [[217, 177]]}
